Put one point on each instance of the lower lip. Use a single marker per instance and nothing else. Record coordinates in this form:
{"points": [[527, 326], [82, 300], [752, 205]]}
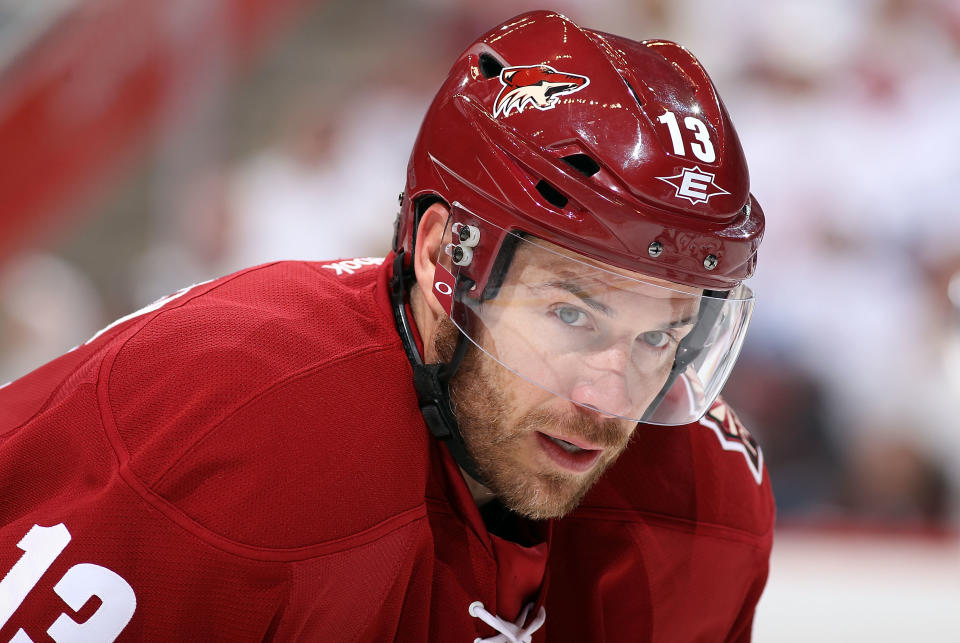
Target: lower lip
{"points": [[579, 462]]}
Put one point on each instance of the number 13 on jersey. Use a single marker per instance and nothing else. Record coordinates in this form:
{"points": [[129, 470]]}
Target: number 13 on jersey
{"points": [[41, 547]]}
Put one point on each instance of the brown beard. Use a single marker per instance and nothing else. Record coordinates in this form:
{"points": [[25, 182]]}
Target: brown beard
{"points": [[483, 409]]}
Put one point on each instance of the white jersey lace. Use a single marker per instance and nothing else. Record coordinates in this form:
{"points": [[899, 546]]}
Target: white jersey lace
{"points": [[509, 632]]}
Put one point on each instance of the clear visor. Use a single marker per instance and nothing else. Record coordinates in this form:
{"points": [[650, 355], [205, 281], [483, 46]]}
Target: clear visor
{"points": [[607, 339]]}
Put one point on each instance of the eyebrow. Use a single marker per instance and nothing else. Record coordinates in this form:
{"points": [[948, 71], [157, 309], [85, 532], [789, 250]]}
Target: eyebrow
{"points": [[581, 294], [680, 322]]}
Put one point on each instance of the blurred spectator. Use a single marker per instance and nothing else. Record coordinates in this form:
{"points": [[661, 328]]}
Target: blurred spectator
{"points": [[284, 202], [787, 409], [328, 188], [47, 306], [890, 482]]}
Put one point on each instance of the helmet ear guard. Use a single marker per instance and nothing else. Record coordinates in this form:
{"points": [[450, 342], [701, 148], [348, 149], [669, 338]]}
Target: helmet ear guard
{"points": [[407, 223]]}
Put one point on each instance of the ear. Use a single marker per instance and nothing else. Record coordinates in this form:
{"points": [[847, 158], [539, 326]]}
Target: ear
{"points": [[429, 243]]}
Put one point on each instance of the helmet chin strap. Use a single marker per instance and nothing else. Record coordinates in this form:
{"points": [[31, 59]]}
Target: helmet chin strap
{"points": [[432, 381]]}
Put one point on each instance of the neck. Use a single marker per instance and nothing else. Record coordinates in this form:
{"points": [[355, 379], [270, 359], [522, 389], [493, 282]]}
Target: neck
{"points": [[481, 494]]}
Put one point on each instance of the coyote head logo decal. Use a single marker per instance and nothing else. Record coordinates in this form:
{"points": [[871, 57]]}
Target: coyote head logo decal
{"points": [[536, 85]]}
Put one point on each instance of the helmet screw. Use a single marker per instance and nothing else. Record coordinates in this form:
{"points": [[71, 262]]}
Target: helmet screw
{"points": [[400, 199], [469, 235], [710, 262], [655, 249], [461, 255]]}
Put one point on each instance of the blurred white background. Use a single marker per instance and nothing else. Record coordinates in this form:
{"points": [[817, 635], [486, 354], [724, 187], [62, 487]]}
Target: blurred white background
{"points": [[147, 146]]}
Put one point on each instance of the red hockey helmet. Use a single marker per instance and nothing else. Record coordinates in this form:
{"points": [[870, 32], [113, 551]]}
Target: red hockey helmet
{"points": [[598, 154]]}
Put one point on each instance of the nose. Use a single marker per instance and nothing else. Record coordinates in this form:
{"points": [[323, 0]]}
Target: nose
{"points": [[614, 358], [607, 393], [604, 383]]}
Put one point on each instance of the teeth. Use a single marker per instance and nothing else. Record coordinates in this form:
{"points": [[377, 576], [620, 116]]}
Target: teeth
{"points": [[566, 446]]}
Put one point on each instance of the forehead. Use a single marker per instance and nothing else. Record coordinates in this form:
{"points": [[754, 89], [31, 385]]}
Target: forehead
{"points": [[541, 259]]}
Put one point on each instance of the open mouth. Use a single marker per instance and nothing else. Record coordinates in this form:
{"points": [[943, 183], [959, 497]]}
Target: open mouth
{"points": [[566, 446], [566, 454]]}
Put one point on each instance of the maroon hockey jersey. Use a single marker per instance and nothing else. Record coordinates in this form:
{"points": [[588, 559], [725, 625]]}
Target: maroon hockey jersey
{"points": [[245, 461]]}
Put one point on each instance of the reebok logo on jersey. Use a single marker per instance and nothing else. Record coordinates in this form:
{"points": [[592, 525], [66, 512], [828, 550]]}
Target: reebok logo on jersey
{"points": [[539, 86], [347, 266], [694, 185]]}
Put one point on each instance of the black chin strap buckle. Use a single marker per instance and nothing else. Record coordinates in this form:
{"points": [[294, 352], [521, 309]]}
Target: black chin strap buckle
{"points": [[432, 393]]}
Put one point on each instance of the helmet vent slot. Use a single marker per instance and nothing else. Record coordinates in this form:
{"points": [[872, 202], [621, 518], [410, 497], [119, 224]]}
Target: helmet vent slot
{"points": [[633, 92], [582, 163], [490, 67], [551, 194]]}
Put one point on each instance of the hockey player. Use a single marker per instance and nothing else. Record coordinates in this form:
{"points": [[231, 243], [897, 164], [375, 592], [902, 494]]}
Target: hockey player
{"points": [[508, 430]]}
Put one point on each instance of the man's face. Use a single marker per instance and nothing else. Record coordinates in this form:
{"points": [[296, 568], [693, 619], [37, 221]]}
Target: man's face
{"points": [[601, 352], [506, 421]]}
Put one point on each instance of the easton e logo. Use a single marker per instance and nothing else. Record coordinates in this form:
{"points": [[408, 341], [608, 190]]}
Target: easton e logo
{"points": [[694, 185], [539, 86]]}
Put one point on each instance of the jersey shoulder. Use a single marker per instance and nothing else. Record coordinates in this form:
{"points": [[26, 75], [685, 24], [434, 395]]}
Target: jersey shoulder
{"points": [[708, 473], [257, 409]]}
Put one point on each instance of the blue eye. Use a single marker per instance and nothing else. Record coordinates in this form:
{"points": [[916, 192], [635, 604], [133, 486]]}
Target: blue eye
{"points": [[656, 338], [571, 316]]}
